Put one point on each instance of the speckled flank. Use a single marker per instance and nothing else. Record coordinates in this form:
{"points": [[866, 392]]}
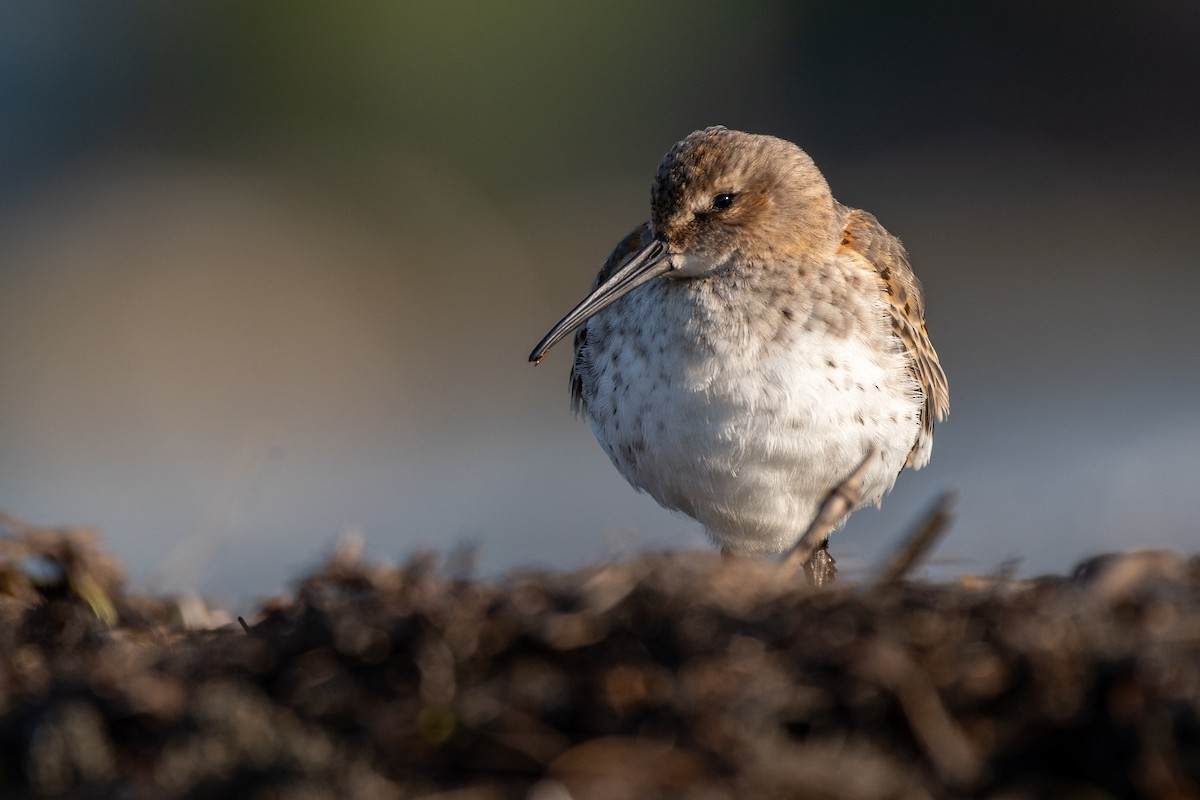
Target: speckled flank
{"points": [[786, 340]]}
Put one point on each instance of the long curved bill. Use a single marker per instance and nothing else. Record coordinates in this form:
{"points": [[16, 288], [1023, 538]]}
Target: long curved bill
{"points": [[647, 264]]}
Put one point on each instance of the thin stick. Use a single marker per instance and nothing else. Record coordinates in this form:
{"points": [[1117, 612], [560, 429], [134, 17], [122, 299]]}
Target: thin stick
{"points": [[919, 541], [843, 499]]}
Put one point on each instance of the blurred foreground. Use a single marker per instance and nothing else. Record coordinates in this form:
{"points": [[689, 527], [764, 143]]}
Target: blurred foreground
{"points": [[673, 675]]}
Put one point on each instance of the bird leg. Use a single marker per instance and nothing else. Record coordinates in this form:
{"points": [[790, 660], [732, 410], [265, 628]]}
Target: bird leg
{"points": [[810, 552], [820, 569]]}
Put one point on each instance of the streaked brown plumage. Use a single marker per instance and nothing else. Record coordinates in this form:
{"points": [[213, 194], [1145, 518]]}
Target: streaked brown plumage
{"points": [[866, 238]]}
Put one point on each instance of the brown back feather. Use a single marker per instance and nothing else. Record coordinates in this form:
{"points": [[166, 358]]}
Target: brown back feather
{"points": [[863, 234]]}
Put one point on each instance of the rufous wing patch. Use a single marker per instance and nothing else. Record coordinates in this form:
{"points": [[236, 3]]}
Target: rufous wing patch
{"points": [[862, 234]]}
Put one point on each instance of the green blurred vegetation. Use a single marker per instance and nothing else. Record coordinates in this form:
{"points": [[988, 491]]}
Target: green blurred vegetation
{"points": [[559, 85]]}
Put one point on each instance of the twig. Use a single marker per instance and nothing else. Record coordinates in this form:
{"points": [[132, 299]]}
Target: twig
{"points": [[952, 753], [843, 499], [919, 541]]}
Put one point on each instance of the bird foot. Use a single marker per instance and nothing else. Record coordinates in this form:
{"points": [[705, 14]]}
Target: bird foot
{"points": [[821, 569]]}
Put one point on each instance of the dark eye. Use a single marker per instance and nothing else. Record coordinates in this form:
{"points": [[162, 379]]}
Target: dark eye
{"points": [[722, 201]]}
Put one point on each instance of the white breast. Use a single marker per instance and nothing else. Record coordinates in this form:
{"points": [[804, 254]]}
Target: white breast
{"points": [[744, 421]]}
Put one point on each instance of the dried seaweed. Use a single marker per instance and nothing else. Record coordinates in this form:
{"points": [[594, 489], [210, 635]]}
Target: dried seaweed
{"points": [[678, 675]]}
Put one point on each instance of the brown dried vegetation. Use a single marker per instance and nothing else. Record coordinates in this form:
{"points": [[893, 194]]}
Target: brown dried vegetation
{"points": [[681, 675]]}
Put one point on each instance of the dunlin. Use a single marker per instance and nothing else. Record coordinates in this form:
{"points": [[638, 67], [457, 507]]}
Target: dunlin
{"points": [[753, 344]]}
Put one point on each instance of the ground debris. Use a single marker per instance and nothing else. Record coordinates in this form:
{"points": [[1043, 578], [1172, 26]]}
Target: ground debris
{"points": [[676, 675]]}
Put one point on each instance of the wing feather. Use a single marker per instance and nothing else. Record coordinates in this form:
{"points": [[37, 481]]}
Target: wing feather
{"points": [[863, 234]]}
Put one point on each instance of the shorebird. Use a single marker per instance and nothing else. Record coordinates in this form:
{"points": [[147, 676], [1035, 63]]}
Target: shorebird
{"points": [[753, 345]]}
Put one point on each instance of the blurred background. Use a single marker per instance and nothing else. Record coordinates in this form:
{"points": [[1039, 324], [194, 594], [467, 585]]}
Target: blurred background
{"points": [[269, 272]]}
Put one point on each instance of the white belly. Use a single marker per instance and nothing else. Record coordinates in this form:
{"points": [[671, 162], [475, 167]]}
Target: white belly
{"points": [[745, 428]]}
